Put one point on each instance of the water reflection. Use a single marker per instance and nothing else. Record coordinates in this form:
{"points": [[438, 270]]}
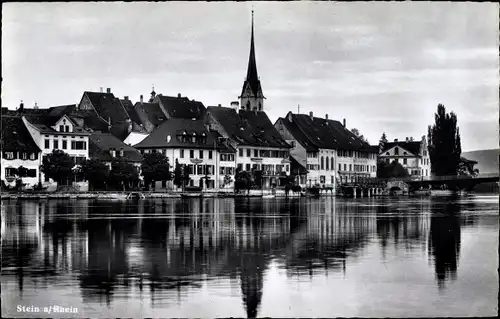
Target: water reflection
{"points": [[166, 250]]}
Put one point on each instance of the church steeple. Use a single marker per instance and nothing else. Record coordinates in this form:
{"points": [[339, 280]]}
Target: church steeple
{"points": [[251, 93]]}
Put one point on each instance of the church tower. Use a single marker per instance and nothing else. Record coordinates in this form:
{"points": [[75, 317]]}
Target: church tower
{"points": [[252, 97]]}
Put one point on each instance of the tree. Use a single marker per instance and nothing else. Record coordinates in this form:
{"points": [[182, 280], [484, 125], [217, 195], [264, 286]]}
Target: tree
{"points": [[355, 131], [123, 175], [466, 168], [228, 179], [21, 172], [58, 166], [155, 167], [95, 171], [178, 174], [444, 143], [242, 180], [383, 138], [391, 170], [257, 178]]}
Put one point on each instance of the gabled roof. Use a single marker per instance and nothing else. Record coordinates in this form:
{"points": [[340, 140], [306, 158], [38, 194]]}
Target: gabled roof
{"points": [[251, 128], [297, 166], [15, 136], [315, 133], [108, 106], [129, 107], [175, 128], [44, 119], [412, 147], [153, 111], [101, 143], [181, 107]]}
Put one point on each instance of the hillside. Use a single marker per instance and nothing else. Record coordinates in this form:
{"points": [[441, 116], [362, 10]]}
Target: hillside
{"points": [[487, 160]]}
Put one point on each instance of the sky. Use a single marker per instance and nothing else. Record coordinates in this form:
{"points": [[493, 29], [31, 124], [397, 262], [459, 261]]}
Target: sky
{"points": [[384, 67]]}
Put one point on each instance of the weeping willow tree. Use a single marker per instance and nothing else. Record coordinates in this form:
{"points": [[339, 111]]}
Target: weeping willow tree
{"points": [[444, 143]]}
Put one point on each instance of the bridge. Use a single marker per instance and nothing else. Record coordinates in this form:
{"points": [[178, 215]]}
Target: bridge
{"points": [[458, 182]]}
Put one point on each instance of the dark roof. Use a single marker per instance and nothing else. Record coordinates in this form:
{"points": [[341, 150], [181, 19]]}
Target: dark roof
{"points": [[59, 111], [412, 147], [15, 136], [175, 128], [153, 111], [108, 106], [315, 133], [43, 119], [252, 128], [182, 107], [101, 143], [129, 107], [296, 166]]}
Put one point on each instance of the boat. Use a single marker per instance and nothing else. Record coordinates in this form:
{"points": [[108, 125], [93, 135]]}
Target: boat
{"points": [[268, 196]]}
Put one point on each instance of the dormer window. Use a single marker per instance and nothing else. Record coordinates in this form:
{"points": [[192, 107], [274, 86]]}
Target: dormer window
{"points": [[61, 128], [396, 151], [121, 152], [193, 138], [9, 155]]}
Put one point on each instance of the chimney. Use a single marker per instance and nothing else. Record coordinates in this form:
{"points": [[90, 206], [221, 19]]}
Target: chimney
{"points": [[21, 107], [101, 89], [36, 106], [121, 152], [326, 116], [178, 95], [343, 122], [407, 139], [220, 105], [311, 115], [108, 90], [141, 98], [126, 98], [395, 140]]}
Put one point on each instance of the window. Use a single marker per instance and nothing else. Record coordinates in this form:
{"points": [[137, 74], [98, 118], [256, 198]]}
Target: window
{"points": [[191, 154], [201, 153], [64, 144], [182, 153], [24, 156], [78, 145], [32, 156], [10, 172], [327, 162], [340, 167], [404, 161], [396, 151], [61, 128], [248, 152], [322, 163], [56, 144], [66, 128], [350, 167], [191, 169], [210, 154], [404, 153], [345, 167], [9, 155], [240, 167], [255, 153], [247, 167], [331, 164], [388, 160], [286, 168], [47, 143]]}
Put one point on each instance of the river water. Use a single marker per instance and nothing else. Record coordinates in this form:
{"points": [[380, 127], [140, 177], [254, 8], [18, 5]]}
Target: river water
{"points": [[209, 258]]}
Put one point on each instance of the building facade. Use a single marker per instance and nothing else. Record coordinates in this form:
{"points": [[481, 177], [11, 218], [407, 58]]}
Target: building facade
{"points": [[203, 152], [330, 153], [412, 155], [18, 150], [52, 133]]}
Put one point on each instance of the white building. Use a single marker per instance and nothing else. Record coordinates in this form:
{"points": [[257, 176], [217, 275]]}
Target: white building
{"points": [[327, 149], [18, 150], [191, 143], [412, 155], [58, 133]]}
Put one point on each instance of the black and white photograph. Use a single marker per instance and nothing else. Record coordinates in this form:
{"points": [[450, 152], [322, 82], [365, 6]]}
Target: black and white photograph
{"points": [[260, 159]]}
